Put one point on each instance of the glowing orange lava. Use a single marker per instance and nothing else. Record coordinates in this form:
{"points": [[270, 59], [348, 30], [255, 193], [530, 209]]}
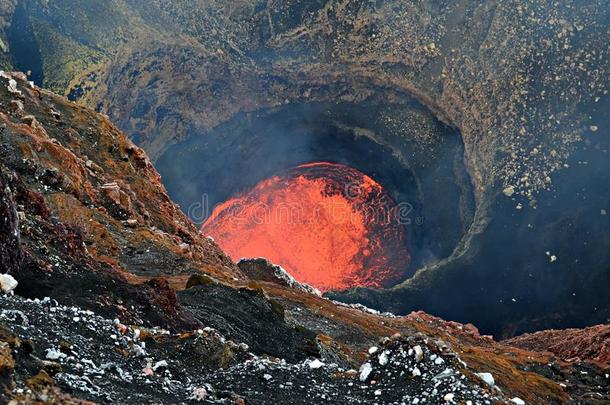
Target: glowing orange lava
{"points": [[327, 224]]}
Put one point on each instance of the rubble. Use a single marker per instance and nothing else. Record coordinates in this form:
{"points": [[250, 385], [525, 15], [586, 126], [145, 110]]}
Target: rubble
{"points": [[98, 367]]}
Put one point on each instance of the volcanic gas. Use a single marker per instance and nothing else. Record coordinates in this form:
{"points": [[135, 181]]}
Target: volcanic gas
{"points": [[329, 225]]}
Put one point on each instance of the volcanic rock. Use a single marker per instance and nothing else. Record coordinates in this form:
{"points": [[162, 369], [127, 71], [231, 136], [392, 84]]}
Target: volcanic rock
{"points": [[588, 344], [250, 317], [10, 249], [261, 269], [37, 164]]}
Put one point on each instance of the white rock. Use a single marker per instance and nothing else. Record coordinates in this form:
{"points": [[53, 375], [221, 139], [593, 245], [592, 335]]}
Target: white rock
{"points": [[267, 377], [315, 364], [377, 392], [54, 354], [418, 352], [138, 350], [509, 191], [373, 350], [365, 371], [199, 394], [449, 397], [487, 378], [384, 358], [518, 401], [160, 364], [7, 283], [416, 372], [12, 87]]}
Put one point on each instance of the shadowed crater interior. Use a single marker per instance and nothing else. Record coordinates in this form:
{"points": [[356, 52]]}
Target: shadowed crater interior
{"points": [[377, 138]]}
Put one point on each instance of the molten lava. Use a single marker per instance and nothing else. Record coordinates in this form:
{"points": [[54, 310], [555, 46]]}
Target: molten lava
{"points": [[327, 224]]}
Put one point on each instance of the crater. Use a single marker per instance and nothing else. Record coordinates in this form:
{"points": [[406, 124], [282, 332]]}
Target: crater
{"points": [[414, 161]]}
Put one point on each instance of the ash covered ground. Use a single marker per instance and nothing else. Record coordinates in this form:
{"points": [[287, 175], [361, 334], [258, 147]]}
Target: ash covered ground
{"points": [[103, 360]]}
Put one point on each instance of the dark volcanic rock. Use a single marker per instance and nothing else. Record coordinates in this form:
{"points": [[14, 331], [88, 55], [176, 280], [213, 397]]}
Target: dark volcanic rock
{"points": [[105, 361], [80, 175], [10, 249], [101, 359], [397, 371], [262, 269], [249, 316], [60, 236]]}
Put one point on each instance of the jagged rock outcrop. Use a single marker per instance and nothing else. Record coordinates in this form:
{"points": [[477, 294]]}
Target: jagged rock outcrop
{"points": [[261, 269], [94, 178], [572, 345], [10, 248]]}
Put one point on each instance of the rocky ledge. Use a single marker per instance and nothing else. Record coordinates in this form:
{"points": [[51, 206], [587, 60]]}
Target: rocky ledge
{"points": [[590, 344]]}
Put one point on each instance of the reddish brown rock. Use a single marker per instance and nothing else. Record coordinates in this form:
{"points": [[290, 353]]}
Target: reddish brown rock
{"points": [[87, 175], [588, 344], [451, 327]]}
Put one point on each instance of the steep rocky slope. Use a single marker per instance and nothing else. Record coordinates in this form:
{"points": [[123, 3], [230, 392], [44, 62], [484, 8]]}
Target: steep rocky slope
{"points": [[591, 344], [88, 202], [112, 305]]}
